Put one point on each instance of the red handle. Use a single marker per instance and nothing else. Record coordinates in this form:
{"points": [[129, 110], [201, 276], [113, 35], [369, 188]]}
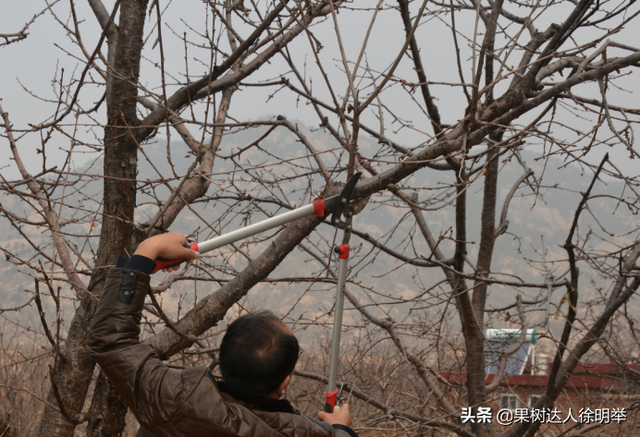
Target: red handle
{"points": [[331, 401], [163, 263], [318, 207]]}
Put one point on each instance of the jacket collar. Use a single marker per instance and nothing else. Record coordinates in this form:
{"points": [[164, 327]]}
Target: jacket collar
{"points": [[258, 402]]}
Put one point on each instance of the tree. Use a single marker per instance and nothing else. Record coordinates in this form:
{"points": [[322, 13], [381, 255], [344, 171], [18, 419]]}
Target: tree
{"points": [[515, 76]]}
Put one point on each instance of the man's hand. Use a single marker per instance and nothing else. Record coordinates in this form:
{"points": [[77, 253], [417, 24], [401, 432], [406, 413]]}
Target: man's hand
{"points": [[172, 245], [342, 417]]}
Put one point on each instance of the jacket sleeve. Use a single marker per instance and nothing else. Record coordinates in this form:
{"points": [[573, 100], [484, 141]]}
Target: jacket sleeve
{"points": [[335, 430], [153, 391], [343, 431]]}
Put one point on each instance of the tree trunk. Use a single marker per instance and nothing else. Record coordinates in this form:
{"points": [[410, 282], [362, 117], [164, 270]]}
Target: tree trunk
{"points": [[475, 334], [108, 410], [74, 369]]}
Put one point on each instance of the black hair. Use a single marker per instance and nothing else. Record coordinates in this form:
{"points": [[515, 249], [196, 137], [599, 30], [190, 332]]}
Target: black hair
{"points": [[257, 353]]}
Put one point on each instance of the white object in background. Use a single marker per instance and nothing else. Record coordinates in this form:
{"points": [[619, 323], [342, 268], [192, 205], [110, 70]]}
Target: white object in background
{"points": [[509, 335]]}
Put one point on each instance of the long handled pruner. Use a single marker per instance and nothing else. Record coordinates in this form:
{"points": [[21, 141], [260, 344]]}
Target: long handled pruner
{"points": [[339, 203], [347, 209]]}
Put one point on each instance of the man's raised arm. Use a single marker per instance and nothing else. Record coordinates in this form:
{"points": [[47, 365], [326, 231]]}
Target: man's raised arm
{"points": [[146, 384]]}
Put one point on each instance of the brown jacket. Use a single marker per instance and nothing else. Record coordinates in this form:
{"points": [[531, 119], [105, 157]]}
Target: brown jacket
{"points": [[172, 403]]}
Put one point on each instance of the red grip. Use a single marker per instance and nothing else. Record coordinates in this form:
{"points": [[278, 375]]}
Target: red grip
{"points": [[163, 263], [343, 251], [331, 400], [318, 207]]}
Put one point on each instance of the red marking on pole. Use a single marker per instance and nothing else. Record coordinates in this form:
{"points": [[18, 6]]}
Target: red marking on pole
{"points": [[318, 207], [344, 251]]}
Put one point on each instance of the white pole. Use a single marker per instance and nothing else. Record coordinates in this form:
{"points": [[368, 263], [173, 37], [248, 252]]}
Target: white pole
{"points": [[256, 228], [337, 326]]}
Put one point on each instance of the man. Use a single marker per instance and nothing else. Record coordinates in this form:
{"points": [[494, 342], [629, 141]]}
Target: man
{"points": [[257, 357]]}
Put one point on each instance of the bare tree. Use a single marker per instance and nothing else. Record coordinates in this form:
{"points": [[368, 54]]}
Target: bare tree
{"points": [[432, 101]]}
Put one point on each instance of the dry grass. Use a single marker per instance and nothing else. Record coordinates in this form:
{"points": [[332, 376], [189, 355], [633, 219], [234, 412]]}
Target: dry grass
{"points": [[23, 380]]}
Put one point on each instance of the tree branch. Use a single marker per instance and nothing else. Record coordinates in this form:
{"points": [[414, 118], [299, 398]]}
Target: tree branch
{"points": [[48, 213], [432, 109]]}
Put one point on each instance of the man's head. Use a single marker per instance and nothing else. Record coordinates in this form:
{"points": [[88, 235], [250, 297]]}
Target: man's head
{"points": [[258, 353]]}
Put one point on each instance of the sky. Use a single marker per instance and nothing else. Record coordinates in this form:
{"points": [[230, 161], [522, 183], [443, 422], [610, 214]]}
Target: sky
{"points": [[28, 69]]}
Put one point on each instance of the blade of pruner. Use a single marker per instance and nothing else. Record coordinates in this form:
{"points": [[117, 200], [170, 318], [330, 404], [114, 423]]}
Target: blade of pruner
{"points": [[342, 204], [358, 205]]}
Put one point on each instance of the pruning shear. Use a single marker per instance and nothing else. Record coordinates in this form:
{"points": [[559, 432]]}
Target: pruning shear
{"points": [[341, 206]]}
